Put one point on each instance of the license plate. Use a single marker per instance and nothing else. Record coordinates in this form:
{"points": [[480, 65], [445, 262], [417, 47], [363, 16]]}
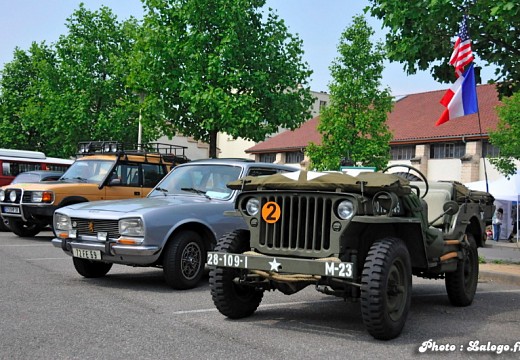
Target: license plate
{"points": [[86, 254], [11, 210]]}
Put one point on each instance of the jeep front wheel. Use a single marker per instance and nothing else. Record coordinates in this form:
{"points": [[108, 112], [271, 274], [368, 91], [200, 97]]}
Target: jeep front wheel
{"points": [[91, 269], [231, 299], [461, 285], [386, 288], [184, 259], [24, 229]]}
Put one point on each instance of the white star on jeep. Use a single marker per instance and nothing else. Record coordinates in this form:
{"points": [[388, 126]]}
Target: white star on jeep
{"points": [[274, 265]]}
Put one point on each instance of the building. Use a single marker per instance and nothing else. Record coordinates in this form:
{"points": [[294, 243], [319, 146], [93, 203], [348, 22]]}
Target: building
{"points": [[235, 148], [457, 150]]}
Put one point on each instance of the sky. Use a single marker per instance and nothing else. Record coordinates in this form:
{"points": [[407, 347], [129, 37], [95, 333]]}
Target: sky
{"points": [[318, 23]]}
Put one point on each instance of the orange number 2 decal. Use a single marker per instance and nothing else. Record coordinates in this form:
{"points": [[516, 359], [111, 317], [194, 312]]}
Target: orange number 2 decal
{"points": [[271, 212]]}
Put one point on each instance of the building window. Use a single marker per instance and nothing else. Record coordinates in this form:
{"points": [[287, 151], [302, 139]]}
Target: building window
{"points": [[402, 152], [268, 157], [489, 150], [294, 157], [454, 150], [323, 103]]}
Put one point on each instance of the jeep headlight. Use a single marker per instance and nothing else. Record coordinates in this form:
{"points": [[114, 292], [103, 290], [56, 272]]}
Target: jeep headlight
{"points": [[62, 222], [42, 196], [345, 209], [252, 206], [12, 196], [131, 227], [2, 195]]}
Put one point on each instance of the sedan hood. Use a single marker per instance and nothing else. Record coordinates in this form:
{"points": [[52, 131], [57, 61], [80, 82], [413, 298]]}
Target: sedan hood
{"points": [[143, 205]]}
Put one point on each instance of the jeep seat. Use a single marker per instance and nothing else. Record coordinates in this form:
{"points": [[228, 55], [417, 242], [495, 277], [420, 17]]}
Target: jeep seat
{"points": [[438, 194]]}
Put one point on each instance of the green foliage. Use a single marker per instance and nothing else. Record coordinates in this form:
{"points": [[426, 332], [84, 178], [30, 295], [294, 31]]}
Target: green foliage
{"points": [[421, 35], [53, 97], [507, 134], [354, 126], [219, 66]]}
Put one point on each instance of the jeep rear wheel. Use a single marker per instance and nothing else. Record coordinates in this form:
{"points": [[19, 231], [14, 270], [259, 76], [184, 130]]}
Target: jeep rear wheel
{"points": [[24, 229], [233, 300], [184, 259], [386, 288], [91, 269], [461, 285]]}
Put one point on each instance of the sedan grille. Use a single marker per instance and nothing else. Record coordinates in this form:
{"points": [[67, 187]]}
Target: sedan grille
{"points": [[89, 227]]}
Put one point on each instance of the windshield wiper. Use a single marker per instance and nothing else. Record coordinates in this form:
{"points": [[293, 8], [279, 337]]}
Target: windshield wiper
{"points": [[196, 191], [164, 191]]}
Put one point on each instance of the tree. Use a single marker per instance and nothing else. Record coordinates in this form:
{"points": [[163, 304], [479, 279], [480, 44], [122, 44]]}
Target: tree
{"points": [[24, 86], [209, 66], [506, 135], [93, 101], [51, 97], [353, 126], [421, 35]]}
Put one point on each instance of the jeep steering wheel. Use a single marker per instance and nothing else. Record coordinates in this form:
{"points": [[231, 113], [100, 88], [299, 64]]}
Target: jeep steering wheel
{"points": [[409, 175]]}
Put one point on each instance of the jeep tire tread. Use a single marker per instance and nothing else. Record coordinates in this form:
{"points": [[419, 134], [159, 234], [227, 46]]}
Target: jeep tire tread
{"points": [[23, 229], [461, 285], [233, 300], [386, 288], [91, 269], [184, 260]]}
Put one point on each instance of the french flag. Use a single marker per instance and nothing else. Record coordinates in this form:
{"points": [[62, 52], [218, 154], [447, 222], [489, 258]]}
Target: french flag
{"points": [[461, 98]]}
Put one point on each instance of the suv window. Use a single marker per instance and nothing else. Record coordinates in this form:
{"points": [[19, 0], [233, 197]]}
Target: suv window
{"points": [[152, 174]]}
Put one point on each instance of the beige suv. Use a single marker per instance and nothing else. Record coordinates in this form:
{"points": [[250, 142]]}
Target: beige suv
{"points": [[104, 170]]}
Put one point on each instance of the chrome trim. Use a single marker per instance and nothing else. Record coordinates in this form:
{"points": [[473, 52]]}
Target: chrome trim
{"points": [[116, 249]]}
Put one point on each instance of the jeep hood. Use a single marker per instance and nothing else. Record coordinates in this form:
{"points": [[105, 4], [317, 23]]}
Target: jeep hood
{"points": [[368, 182]]}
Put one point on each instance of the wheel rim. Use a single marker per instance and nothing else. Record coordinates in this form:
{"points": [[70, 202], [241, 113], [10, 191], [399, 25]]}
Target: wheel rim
{"points": [[191, 260], [396, 291]]}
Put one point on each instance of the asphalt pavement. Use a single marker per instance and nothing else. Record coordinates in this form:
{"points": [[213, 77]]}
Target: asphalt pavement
{"points": [[501, 262]]}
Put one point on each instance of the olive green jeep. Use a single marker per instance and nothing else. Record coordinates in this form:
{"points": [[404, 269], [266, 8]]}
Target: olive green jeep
{"points": [[359, 238]]}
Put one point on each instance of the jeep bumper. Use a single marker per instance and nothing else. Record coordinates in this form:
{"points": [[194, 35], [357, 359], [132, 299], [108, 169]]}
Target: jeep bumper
{"points": [[283, 265]]}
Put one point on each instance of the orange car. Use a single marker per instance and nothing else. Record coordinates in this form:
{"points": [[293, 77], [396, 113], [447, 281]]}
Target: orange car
{"points": [[104, 170]]}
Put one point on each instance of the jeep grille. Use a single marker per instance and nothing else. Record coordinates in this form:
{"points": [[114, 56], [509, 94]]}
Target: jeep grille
{"points": [[304, 225], [85, 226]]}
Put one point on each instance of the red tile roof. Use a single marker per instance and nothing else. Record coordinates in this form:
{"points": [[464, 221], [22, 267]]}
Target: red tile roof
{"points": [[412, 120]]}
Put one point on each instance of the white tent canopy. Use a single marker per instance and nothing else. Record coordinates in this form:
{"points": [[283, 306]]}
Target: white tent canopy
{"points": [[501, 189], [506, 193]]}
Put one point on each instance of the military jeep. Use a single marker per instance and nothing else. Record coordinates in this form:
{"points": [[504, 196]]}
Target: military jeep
{"points": [[359, 238]]}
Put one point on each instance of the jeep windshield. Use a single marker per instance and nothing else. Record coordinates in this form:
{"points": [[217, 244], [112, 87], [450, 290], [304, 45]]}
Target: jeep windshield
{"points": [[88, 171], [199, 180]]}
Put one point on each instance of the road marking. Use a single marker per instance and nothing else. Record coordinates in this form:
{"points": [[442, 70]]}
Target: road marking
{"points": [[40, 259], [182, 312], [24, 245], [199, 311]]}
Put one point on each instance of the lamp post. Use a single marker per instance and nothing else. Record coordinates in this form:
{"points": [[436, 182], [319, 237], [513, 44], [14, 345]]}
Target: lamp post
{"points": [[140, 126]]}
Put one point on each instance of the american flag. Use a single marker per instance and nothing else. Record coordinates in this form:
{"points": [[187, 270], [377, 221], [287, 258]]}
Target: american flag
{"points": [[462, 54]]}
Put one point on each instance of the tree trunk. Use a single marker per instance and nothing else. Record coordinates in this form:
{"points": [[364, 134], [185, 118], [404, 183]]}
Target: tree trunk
{"points": [[213, 144]]}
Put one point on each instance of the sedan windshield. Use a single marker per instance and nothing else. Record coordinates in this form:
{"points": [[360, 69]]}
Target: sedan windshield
{"points": [[202, 180]]}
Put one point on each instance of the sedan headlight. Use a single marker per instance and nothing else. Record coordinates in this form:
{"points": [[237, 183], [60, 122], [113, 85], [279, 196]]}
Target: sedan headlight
{"points": [[2, 195], [252, 206], [42, 197], [345, 209], [131, 227], [62, 222]]}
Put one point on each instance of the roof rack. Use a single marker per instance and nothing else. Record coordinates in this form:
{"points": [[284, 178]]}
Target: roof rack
{"points": [[170, 152]]}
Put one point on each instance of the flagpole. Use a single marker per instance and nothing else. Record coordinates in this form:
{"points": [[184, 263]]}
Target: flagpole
{"points": [[482, 146]]}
